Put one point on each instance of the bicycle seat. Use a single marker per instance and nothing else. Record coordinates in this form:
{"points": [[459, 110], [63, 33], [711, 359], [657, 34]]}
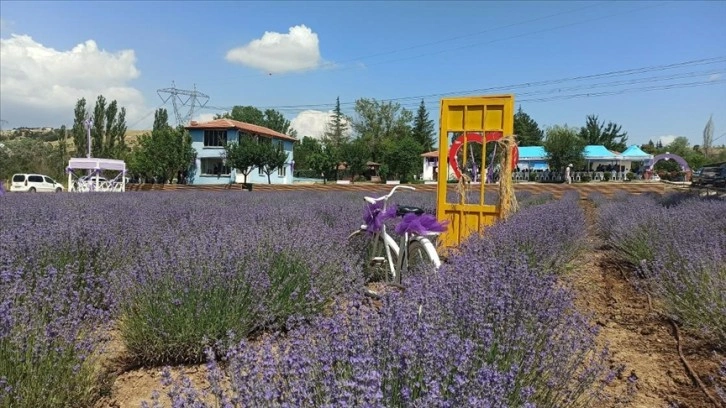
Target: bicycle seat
{"points": [[406, 209]]}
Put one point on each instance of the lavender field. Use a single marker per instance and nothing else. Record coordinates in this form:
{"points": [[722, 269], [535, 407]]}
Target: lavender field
{"points": [[263, 288]]}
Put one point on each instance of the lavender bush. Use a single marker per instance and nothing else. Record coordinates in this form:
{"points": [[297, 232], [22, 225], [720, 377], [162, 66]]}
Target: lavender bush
{"points": [[550, 235], [195, 266], [251, 274], [677, 243], [691, 286], [48, 332]]}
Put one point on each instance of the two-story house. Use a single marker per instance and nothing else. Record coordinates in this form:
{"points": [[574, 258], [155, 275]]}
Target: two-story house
{"points": [[208, 140]]}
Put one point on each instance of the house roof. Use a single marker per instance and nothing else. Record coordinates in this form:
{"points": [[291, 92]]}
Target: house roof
{"points": [[435, 153], [635, 152], [532, 153], [235, 124]]}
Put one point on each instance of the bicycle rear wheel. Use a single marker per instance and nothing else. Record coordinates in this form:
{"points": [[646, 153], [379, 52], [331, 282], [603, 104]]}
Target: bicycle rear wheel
{"points": [[422, 256]]}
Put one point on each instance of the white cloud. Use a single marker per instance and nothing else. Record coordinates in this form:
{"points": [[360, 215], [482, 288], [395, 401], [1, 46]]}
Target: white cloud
{"points": [[312, 123], [40, 85], [277, 53], [714, 77], [666, 140], [204, 117]]}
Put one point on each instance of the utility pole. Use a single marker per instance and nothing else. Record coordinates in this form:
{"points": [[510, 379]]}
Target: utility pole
{"points": [[180, 97], [88, 123]]}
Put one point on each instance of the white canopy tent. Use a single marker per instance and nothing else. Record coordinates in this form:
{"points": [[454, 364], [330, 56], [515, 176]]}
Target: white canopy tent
{"points": [[94, 181]]}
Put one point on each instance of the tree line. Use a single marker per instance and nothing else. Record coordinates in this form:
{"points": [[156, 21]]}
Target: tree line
{"points": [[381, 133]]}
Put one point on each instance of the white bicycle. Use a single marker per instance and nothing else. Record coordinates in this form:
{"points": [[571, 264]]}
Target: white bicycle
{"points": [[383, 256]]}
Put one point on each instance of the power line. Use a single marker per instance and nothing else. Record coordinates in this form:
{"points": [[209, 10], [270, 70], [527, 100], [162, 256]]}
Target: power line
{"points": [[599, 94], [652, 79], [524, 85], [628, 90], [602, 94], [146, 116]]}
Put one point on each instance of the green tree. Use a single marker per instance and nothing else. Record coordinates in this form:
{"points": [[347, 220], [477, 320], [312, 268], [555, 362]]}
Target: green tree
{"points": [[276, 121], [403, 157], [355, 155], [108, 133], [563, 146], [304, 150], [78, 130], [271, 156], [270, 118], [325, 163], [527, 130], [337, 128], [649, 147], [681, 147], [610, 135], [380, 121], [164, 152], [29, 155], [708, 137], [243, 156], [63, 148], [423, 129]]}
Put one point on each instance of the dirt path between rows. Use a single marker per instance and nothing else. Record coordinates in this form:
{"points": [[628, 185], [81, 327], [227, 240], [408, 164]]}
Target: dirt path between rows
{"points": [[641, 340]]}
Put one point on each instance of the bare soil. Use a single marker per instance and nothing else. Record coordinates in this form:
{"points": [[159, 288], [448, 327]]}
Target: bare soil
{"points": [[642, 343]]}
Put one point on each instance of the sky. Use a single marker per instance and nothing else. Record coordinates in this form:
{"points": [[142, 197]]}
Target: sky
{"points": [[658, 69]]}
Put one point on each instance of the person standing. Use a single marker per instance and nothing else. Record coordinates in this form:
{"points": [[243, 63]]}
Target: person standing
{"points": [[568, 176]]}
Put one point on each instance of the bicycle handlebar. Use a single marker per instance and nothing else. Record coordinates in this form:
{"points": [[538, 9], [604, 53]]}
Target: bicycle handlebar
{"points": [[387, 196]]}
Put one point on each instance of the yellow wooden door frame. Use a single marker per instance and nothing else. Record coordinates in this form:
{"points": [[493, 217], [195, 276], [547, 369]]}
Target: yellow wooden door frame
{"points": [[468, 114]]}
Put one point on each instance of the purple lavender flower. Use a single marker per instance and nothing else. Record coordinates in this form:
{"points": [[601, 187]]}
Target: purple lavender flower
{"points": [[374, 216]]}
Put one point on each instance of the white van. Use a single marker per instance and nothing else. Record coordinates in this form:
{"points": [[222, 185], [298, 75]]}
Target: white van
{"points": [[32, 183]]}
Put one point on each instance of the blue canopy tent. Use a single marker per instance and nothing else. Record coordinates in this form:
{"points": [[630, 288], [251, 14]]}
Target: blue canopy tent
{"points": [[600, 153], [533, 158], [634, 153]]}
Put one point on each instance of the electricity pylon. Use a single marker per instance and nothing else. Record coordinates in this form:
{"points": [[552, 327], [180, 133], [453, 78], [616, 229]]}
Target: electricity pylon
{"points": [[180, 98]]}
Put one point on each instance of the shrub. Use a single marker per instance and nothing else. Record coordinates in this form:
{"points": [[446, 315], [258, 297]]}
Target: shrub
{"points": [[549, 235], [47, 339], [691, 285], [203, 294]]}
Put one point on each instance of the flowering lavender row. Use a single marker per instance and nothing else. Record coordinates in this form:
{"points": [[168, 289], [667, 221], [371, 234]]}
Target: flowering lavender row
{"points": [[678, 245], [174, 272], [486, 331], [550, 235]]}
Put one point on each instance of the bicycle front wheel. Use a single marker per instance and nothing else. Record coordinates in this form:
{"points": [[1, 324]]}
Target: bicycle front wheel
{"points": [[371, 252], [422, 256]]}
